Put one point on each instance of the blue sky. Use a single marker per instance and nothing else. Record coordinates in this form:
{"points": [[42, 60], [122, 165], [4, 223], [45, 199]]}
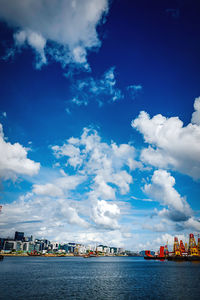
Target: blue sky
{"points": [[100, 120]]}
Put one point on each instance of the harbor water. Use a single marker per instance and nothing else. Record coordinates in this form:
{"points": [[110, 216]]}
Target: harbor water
{"points": [[97, 278]]}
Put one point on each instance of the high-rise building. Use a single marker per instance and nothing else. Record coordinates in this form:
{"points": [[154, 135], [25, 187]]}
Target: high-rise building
{"points": [[9, 245], [19, 236], [2, 241]]}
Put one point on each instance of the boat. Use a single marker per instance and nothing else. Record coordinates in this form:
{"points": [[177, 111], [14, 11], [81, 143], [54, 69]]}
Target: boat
{"points": [[34, 253], [184, 258], [159, 256], [91, 254], [193, 258], [177, 258], [181, 251], [156, 257]]}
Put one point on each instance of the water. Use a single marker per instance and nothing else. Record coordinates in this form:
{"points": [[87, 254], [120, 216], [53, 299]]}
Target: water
{"points": [[101, 278]]}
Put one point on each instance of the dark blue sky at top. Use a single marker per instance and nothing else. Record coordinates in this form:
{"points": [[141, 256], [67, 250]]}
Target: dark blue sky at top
{"points": [[145, 43], [155, 44]]}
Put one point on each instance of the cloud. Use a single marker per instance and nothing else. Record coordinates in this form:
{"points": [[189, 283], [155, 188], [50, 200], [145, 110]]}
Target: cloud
{"points": [[168, 239], [154, 243], [62, 220], [86, 197], [106, 162], [34, 40], [70, 214], [171, 145], [176, 214], [85, 201], [48, 189], [193, 224], [42, 216], [196, 113], [114, 238], [173, 13], [14, 161], [106, 214], [64, 30], [162, 190], [99, 90], [159, 227], [59, 186], [142, 199], [106, 167], [134, 90]]}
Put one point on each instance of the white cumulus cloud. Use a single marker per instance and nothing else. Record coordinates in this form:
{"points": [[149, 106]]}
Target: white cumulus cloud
{"points": [[171, 145], [67, 26], [193, 224], [105, 163], [162, 190], [40, 215], [14, 161], [34, 40], [59, 187], [196, 113], [107, 169], [106, 214]]}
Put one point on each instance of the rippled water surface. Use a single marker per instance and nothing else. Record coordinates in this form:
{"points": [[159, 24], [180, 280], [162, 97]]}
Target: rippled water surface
{"points": [[102, 278]]}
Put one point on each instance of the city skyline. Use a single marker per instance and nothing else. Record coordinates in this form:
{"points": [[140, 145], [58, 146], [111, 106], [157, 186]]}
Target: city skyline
{"points": [[100, 121], [21, 244]]}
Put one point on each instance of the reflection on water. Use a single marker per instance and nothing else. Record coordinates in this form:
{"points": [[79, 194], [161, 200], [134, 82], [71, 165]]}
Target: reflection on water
{"points": [[116, 278]]}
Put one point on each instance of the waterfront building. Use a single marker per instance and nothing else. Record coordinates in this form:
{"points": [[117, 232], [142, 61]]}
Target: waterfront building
{"points": [[121, 250], [30, 244], [2, 241], [89, 248], [64, 247], [31, 247], [80, 249], [100, 248], [19, 236], [37, 247], [19, 245], [71, 247], [25, 246], [60, 251], [32, 238], [10, 245], [113, 250], [54, 246], [106, 250]]}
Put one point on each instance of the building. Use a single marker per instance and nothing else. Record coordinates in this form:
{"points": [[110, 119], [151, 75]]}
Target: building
{"points": [[19, 236], [25, 246], [2, 241], [121, 250], [54, 246], [113, 250], [19, 246], [100, 248], [31, 247], [10, 245], [71, 247], [64, 247], [37, 247], [80, 249], [106, 250]]}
